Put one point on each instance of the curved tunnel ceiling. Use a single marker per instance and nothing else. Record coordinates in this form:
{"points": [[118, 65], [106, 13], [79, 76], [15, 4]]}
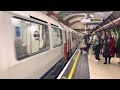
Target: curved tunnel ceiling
{"points": [[71, 17]]}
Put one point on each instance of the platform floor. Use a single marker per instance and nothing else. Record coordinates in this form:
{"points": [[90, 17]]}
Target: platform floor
{"points": [[87, 68], [82, 68], [98, 70]]}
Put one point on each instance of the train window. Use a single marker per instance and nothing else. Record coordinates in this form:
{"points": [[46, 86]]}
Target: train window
{"points": [[30, 38], [20, 37], [56, 37]]}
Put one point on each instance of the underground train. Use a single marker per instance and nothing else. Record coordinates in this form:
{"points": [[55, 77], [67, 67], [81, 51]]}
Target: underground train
{"points": [[33, 45]]}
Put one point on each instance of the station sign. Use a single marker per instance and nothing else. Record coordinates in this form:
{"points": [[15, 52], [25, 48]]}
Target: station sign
{"points": [[91, 20], [96, 20], [84, 20]]}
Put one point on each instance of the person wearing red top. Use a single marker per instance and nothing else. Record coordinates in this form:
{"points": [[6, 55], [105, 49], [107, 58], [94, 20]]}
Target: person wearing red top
{"points": [[112, 49]]}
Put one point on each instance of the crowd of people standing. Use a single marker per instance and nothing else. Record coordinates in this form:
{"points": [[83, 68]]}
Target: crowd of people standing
{"points": [[101, 45]]}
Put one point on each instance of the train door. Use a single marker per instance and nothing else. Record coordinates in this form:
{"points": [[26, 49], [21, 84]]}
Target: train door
{"points": [[70, 50], [68, 45], [34, 37], [73, 42], [65, 47], [67, 34], [29, 49]]}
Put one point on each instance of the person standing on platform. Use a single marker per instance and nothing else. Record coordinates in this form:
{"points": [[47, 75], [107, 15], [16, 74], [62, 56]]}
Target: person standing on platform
{"points": [[106, 53], [100, 43], [96, 46], [112, 48]]}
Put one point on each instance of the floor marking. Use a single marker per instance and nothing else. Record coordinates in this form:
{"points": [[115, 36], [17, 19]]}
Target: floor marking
{"points": [[74, 65], [60, 75]]}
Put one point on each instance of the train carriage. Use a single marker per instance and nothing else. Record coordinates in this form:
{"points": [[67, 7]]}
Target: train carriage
{"points": [[32, 45]]}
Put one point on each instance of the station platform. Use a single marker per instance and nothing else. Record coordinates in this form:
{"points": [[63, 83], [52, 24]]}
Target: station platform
{"points": [[77, 67], [84, 66], [98, 70]]}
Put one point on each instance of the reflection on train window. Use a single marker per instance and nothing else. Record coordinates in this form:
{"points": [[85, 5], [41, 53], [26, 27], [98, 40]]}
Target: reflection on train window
{"points": [[44, 38], [30, 38], [56, 37], [73, 36]]}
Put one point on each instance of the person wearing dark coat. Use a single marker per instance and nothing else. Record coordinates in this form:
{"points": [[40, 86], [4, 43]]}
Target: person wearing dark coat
{"points": [[106, 53]]}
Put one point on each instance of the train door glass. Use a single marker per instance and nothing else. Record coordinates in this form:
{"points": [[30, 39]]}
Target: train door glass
{"points": [[56, 37], [39, 38], [34, 41]]}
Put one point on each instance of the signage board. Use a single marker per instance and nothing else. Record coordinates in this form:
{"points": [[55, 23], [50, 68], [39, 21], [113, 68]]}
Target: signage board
{"points": [[91, 20]]}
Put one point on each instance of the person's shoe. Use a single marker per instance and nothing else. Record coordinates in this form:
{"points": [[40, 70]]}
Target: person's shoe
{"points": [[99, 59], [109, 62], [104, 63], [96, 60]]}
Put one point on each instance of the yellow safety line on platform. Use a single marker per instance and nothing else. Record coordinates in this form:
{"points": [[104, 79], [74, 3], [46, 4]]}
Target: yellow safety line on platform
{"points": [[74, 65]]}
